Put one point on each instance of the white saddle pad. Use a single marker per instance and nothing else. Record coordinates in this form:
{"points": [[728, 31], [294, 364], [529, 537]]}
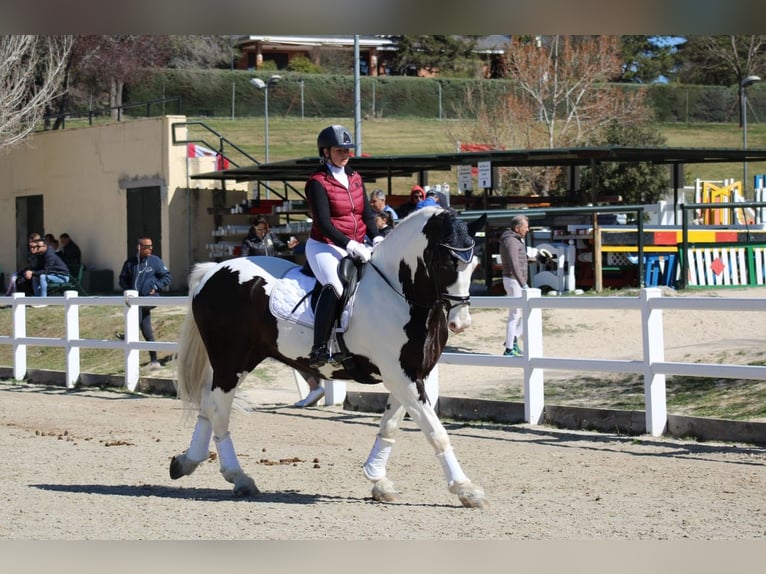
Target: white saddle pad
{"points": [[289, 300], [285, 301]]}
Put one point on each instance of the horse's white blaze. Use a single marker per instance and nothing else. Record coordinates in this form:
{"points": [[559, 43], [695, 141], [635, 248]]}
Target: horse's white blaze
{"points": [[460, 317]]}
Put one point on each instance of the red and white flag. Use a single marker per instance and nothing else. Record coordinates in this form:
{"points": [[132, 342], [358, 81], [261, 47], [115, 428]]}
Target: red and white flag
{"points": [[195, 150]]}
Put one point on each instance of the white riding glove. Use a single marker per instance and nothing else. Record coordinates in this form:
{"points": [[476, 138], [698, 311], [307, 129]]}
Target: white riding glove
{"points": [[377, 239], [358, 251]]}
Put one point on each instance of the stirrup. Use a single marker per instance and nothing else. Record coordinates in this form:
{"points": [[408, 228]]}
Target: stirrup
{"points": [[319, 357]]}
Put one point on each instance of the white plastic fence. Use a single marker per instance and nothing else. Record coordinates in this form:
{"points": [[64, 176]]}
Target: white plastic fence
{"points": [[72, 343], [652, 366]]}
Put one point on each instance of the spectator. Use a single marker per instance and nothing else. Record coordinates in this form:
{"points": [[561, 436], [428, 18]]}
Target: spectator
{"points": [[416, 194], [431, 200], [147, 274], [260, 241], [383, 219], [378, 203], [69, 250], [52, 242], [513, 256], [46, 267], [18, 282]]}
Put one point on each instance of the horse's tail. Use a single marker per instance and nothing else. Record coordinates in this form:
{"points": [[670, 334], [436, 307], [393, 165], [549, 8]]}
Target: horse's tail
{"points": [[193, 366]]}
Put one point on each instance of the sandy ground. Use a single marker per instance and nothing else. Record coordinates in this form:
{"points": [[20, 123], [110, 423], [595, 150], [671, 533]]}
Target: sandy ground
{"points": [[93, 465]]}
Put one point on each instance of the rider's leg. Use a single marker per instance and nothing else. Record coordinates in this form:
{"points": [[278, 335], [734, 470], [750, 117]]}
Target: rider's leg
{"points": [[324, 318]]}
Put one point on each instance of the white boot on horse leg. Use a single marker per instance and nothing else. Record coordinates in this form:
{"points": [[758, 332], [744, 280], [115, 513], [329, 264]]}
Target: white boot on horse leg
{"points": [[383, 489], [185, 464], [470, 495], [230, 469]]}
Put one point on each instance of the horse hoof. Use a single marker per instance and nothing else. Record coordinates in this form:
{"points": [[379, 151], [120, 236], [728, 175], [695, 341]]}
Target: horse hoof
{"points": [[383, 491], [474, 502], [470, 495], [246, 489], [176, 470]]}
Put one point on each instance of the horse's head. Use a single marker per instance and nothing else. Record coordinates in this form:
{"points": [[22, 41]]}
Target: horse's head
{"points": [[450, 256], [434, 254]]}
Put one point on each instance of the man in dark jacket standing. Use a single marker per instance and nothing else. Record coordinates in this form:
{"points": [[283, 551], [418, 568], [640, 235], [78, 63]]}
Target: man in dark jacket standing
{"points": [[147, 274]]}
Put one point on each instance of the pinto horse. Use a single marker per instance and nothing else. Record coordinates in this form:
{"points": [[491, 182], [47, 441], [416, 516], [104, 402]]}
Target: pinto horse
{"points": [[419, 277]]}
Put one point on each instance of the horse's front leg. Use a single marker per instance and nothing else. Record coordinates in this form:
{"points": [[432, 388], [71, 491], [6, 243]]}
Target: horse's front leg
{"points": [[423, 414], [383, 489]]}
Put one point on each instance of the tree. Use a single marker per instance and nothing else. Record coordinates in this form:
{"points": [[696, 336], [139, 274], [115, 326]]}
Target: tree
{"points": [[721, 60], [561, 97], [31, 73], [638, 183], [105, 63], [190, 52], [645, 59], [431, 54]]}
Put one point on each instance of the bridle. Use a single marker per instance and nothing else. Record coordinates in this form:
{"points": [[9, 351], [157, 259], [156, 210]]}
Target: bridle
{"points": [[446, 300]]}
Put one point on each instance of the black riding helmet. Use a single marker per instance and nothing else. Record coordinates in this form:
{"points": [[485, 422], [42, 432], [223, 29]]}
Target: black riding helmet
{"points": [[334, 136]]}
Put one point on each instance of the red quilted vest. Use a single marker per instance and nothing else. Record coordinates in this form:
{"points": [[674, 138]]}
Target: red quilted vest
{"points": [[346, 206]]}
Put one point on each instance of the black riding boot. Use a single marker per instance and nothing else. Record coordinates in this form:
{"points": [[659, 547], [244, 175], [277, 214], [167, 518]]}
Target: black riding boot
{"points": [[324, 318]]}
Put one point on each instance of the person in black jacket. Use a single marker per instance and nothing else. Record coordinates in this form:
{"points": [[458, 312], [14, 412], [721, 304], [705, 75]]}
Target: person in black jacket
{"points": [[147, 274], [46, 267], [260, 241], [69, 251]]}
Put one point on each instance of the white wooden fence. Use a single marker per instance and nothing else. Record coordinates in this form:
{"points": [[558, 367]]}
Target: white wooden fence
{"points": [[649, 302]]}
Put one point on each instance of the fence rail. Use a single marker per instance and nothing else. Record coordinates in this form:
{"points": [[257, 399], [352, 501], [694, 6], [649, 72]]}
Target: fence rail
{"points": [[649, 302]]}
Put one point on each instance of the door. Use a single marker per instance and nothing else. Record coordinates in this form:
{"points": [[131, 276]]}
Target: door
{"points": [[144, 218], [29, 219]]}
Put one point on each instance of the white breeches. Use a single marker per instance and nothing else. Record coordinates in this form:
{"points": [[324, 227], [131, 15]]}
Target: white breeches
{"points": [[323, 259]]}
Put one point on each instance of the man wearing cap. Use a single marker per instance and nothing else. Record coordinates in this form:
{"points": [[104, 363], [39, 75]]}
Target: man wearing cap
{"points": [[416, 194], [431, 200]]}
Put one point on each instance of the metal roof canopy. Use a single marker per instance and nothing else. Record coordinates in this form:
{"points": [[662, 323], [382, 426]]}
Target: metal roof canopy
{"points": [[377, 167]]}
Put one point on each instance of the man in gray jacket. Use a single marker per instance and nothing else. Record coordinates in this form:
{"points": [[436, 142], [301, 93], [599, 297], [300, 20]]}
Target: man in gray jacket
{"points": [[513, 256]]}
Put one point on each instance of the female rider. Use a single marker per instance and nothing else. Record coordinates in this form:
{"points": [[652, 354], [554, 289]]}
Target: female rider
{"points": [[341, 217]]}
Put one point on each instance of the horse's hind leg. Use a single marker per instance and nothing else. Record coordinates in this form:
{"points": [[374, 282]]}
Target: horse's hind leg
{"points": [[383, 489], [217, 407], [184, 464]]}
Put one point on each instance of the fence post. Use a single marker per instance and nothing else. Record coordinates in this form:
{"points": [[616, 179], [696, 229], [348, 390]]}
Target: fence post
{"points": [[654, 352], [72, 333], [534, 395], [19, 331], [131, 336]]}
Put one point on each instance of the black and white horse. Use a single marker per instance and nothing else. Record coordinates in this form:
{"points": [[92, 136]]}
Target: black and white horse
{"points": [[414, 289]]}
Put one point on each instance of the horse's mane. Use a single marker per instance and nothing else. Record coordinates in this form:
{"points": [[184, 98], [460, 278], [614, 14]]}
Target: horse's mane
{"points": [[404, 233]]}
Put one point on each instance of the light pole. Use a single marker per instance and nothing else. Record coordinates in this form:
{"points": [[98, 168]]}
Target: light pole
{"points": [[747, 82], [261, 85]]}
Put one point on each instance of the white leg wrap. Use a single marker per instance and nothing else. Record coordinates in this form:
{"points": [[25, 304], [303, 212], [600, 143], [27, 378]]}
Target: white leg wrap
{"points": [[375, 467], [200, 441], [451, 467], [226, 454]]}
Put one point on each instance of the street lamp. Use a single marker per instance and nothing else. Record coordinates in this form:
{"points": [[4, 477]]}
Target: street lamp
{"points": [[261, 85], [748, 81]]}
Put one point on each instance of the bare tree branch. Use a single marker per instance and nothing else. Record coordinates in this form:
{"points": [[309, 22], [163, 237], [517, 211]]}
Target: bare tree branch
{"points": [[31, 72]]}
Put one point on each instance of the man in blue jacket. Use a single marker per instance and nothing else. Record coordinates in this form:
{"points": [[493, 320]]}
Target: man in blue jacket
{"points": [[147, 274]]}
